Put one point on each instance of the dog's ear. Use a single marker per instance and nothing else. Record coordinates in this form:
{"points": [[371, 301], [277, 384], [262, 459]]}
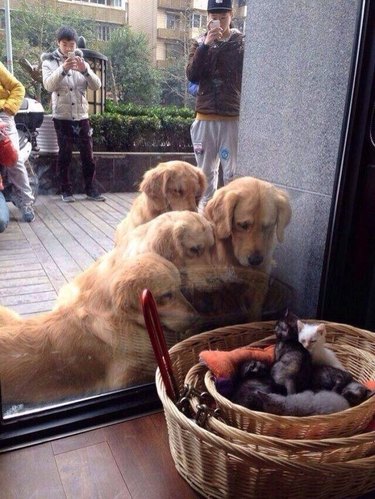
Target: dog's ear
{"points": [[284, 213], [125, 293], [201, 180], [220, 210], [153, 181], [165, 244]]}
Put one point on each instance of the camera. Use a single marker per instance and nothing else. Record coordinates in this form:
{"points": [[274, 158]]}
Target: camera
{"points": [[71, 55], [215, 23]]}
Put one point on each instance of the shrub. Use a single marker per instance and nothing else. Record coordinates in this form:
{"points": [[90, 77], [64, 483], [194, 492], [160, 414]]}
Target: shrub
{"points": [[128, 127]]}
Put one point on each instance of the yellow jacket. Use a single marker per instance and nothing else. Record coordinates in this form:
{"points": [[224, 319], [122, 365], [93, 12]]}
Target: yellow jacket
{"points": [[12, 91]]}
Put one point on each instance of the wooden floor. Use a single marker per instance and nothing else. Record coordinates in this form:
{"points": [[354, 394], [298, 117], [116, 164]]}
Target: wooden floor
{"points": [[126, 460], [129, 459], [37, 259]]}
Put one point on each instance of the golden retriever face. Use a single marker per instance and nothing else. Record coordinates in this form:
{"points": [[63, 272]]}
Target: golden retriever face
{"points": [[174, 186], [162, 278], [182, 237], [250, 213]]}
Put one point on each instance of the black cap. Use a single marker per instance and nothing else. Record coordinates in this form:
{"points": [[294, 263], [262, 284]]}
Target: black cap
{"points": [[219, 5]]}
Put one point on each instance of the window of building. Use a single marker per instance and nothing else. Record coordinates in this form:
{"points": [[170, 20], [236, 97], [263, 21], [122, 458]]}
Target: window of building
{"points": [[241, 3], [173, 21], [104, 31], [198, 21], [107, 3], [173, 51]]}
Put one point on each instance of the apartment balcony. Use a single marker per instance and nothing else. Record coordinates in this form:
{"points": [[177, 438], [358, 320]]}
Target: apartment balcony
{"points": [[174, 4], [171, 34]]}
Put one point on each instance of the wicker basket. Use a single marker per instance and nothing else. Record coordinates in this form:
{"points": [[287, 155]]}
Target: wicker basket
{"points": [[346, 423], [217, 467], [323, 450], [221, 469]]}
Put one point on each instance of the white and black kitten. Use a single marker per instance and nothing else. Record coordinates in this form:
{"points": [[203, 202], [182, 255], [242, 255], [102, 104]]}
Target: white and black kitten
{"points": [[313, 338]]}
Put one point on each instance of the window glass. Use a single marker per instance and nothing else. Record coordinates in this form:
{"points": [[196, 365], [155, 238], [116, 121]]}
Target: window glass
{"points": [[91, 336]]}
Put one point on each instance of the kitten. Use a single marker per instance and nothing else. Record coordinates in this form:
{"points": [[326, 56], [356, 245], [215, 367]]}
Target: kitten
{"points": [[293, 367], [330, 378], [356, 393], [253, 368], [313, 338], [339, 381], [306, 403], [252, 376], [246, 393]]}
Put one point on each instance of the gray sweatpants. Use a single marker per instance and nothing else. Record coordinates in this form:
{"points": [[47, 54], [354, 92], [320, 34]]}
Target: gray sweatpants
{"points": [[215, 142], [17, 175]]}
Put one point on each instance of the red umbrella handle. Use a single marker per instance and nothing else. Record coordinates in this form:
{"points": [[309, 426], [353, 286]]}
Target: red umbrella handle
{"points": [[159, 346]]}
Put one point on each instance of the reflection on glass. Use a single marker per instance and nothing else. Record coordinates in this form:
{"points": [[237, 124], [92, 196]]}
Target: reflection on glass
{"points": [[205, 270]]}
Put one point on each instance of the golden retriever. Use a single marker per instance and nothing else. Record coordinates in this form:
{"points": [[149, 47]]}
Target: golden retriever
{"points": [[183, 237], [248, 215], [170, 186], [96, 339], [221, 294]]}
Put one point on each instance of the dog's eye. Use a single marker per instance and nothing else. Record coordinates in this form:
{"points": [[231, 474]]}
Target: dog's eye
{"points": [[244, 225], [166, 297]]}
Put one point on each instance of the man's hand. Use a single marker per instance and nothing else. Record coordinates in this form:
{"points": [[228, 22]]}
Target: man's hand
{"points": [[213, 35]]}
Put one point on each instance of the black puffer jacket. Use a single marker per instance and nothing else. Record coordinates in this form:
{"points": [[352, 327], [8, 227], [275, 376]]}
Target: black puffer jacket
{"points": [[218, 70]]}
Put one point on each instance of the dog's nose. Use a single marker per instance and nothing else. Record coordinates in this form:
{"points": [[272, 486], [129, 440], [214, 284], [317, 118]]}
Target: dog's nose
{"points": [[197, 250], [255, 259]]}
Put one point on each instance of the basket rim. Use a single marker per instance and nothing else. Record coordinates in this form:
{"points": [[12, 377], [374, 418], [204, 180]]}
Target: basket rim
{"points": [[370, 335]]}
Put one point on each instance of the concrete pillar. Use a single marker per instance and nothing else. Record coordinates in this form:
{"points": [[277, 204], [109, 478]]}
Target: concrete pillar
{"points": [[297, 68]]}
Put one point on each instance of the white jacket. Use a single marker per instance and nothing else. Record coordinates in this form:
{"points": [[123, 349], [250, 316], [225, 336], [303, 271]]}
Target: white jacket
{"points": [[68, 91]]}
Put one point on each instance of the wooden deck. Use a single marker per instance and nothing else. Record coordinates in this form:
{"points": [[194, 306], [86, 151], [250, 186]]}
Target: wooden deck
{"points": [[37, 259]]}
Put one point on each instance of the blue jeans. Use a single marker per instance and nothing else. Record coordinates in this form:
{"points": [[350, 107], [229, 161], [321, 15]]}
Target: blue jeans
{"points": [[4, 213]]}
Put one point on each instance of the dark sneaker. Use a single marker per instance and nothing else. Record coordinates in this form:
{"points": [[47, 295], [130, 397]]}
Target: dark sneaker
{"points": [[67, 197], [27, 213], [95, 195]]}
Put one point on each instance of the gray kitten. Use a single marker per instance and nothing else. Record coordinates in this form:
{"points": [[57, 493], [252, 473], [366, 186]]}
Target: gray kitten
{"points": [[306, 403]]}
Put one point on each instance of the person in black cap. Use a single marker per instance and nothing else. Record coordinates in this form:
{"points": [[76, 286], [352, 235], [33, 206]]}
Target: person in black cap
{"points": [[215, 63]]}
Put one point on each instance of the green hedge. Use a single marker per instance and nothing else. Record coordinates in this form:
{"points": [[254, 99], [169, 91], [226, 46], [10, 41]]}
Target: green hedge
{"points": [[127, 127]]}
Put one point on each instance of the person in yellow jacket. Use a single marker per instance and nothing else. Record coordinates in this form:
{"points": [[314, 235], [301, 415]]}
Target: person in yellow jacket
{"points": [[12, 93]]}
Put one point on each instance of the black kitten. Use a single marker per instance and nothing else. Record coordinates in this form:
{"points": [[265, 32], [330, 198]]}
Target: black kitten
{"points": [[246, 393], [339, 381], [330, 378], [356, 393], [253, 368], [252, 376], [293, 365]]}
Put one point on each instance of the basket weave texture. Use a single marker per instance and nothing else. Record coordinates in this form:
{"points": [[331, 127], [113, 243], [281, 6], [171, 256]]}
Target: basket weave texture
{"points": [[319, 450], [223, 461]]}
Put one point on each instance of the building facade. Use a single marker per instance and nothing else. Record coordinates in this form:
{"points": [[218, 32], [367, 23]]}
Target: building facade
{"points": [[170, 24]]}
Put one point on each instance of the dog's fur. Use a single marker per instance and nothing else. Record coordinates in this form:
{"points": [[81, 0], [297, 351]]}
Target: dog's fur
{"points": [[7, 316], [248, 215], [185, 238], [95, 340], [170, 186]]}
